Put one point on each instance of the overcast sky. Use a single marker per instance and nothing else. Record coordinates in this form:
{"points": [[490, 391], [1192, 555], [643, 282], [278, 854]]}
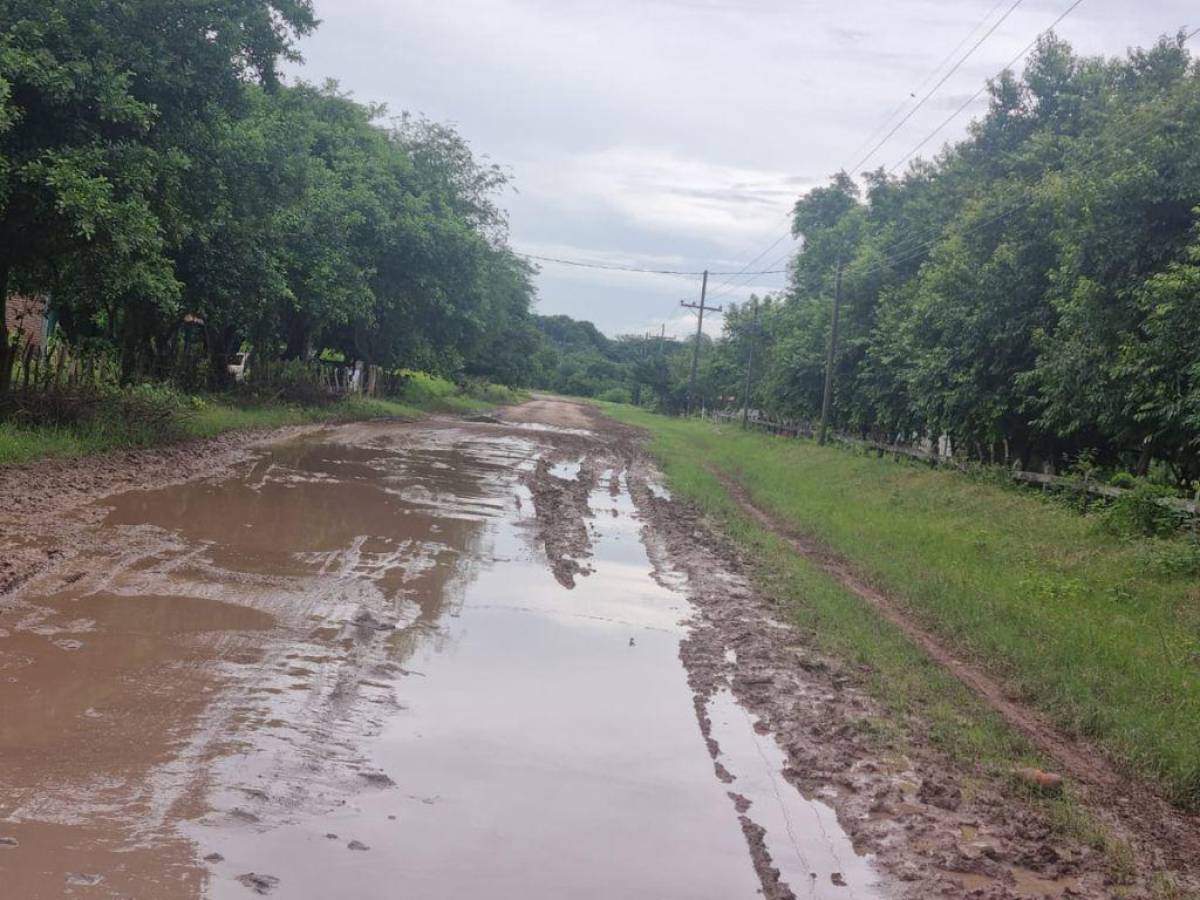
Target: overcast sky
{"points": [[676, 133]]}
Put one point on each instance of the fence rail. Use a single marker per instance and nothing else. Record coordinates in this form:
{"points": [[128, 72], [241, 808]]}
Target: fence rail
{"points": [[802, 429], [33, 370]]}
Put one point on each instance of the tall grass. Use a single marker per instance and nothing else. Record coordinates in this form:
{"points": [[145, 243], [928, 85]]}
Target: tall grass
{"points": [[1093, 629]]}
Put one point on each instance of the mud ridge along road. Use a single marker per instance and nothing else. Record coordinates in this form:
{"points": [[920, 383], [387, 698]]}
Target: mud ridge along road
{"points": [[446, 659]]}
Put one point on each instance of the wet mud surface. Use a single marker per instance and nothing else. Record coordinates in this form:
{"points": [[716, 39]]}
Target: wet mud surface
{"points": [[445, 660]]}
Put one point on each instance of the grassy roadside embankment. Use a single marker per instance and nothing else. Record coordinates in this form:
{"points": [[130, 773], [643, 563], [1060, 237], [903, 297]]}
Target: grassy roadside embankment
{"points": [[210, 415], [1081, 624]]}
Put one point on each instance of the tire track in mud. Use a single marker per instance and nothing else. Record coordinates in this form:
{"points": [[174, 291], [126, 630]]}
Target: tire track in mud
{"points": [[936, 828], [562, 509]]}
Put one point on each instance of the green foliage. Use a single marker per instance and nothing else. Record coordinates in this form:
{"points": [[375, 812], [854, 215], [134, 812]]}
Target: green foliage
{"points": [[615, 395], [577, 359], [1030, 293], [1140, 512], [1176, 560], [291, 381], [168, 192]]}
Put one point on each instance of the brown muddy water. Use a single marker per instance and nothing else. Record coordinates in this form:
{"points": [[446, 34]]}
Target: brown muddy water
{"points": [[345, 669]]}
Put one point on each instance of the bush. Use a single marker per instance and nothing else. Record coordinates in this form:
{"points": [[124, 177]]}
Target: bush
{"points": [[1140, 512], [290, 381], [1123, 480], [422, 389], [615, 395], [488, 392]]}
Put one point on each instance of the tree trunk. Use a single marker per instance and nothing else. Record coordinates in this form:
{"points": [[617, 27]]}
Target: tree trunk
{"points": [[1143, 463], [6, 345]]}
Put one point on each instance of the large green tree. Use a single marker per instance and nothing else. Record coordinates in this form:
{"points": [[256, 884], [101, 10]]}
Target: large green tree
{"points": [[94, 97]]}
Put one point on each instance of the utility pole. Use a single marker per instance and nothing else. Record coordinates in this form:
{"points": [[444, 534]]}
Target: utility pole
{"points": [[749, 368], [699, 331], [827, 400]]}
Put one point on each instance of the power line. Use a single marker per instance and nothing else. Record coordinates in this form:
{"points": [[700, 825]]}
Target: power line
{"points": [[722, 288], [914, 249], [954, 115], [912, 112], [726, 287], [583, 264], [920, 87]]}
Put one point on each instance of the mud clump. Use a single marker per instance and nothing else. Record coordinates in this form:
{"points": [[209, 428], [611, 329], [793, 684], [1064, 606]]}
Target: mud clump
{"points": [[773, 885], [84, 879], [260, 884], [377, 779], [1046, 782], [941, 794], [562, 511]]}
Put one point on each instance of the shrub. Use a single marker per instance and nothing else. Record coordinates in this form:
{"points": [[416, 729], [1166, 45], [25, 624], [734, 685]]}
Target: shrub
{"points": [[1123, 480], [1140, 512], [131, 415], [488, 392], [615, 395], [423, 389], [289, 381]]}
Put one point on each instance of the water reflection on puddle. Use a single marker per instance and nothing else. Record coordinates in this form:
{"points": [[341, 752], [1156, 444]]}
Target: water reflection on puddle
{"points": [[806, 843]]}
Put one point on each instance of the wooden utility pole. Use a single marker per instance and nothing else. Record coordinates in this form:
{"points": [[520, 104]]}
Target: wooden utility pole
{"points": [[827, 400], [749, 368], [699, 332]]}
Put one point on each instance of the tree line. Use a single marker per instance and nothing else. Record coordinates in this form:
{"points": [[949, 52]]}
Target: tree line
{"points": [[164, 185], [1032, 292]]}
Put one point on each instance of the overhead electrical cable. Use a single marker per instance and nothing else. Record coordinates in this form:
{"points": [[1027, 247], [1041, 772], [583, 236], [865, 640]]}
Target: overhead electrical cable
{"points": [[941, 81], [727, 287], [611, 267], [954, 115], [1028, 47], [920, 87]]}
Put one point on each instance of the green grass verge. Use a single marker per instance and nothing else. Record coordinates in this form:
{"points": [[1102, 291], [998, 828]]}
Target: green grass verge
{"points": [[203, 417], [1079, 622]]}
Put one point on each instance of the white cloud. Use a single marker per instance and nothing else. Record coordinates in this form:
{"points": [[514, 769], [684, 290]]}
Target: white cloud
{"points": [[654, 189]]}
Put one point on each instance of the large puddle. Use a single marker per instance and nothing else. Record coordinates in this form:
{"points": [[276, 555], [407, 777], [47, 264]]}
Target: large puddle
{"points": [[348, 671]]}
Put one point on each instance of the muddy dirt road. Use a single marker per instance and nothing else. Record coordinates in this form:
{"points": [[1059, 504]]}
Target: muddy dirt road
{"points": [[439, 660]]}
